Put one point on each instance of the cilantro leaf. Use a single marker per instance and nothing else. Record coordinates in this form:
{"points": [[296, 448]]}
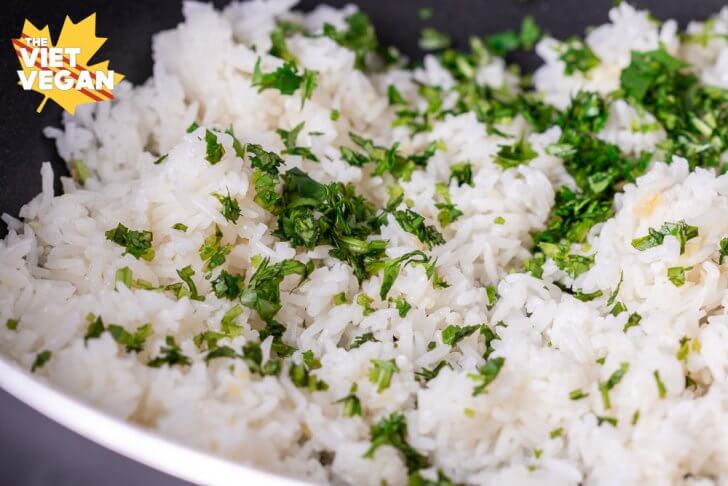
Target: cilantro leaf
{"points": [[132, 341], [228, 286], [230, 207], [214, 150], [263, 292], [170, 354], [137, 243], [286, 80], [680, 230], [676, 275], [510, 156], [289, 140], [414, 223], [462, 173], [40, 360], [381, 373], [453, 334], [487, 373], [426, 374], [578, 56], [359, 36], [392, 430], [612, 381], [352, 405], [433, 40], [393, 267], [361, 339]]}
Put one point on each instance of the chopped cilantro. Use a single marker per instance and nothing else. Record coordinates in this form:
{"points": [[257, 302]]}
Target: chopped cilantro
{"points": [[632, 321], [462, 173], [285, 79], [170, 354], [186, 275], [453, 334], [610, 420], [403, 307], [489, 336], [394, 97], [680, 230], [586, 297], [263, 292], [359, 36], [572, 264], [79, 170], [340, 298], [230, 207], [510, 156], [263, 160], [160, 159], [95, 328], [278, 36], [500, 220], [193, 126], [289, 140], [661, 390], [577, 395], [694, 115], [40, 360], [556, 433], [392, 431], [11, 324], [333, 214], [212, 252], [425, 13], [381, 373], [228, 286], [393, 267], [132, 341], [125, 276], [137, 243], [723, 250], [492, 295], [613, 296], [180, 227], [577, 56], [416, 479], [487, 373], [433, 40], [612, 381], [365, 302], [301, 377], [448, 212], [310, 360], [530, 33], [502, 43], [214, 150], [228, 326], [352, 405], [335, 115], [426, 374], [361, 339], [676, 275]]}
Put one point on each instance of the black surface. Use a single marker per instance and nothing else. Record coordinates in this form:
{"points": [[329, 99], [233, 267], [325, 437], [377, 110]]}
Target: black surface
{"points": [[34, 450], [38, 452]]}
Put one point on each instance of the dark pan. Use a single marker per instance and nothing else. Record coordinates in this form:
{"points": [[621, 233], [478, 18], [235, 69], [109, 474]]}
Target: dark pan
{"points": [[35, 449]]}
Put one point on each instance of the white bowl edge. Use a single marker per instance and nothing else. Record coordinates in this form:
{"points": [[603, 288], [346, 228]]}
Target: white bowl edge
{"points": [[128, 439]]}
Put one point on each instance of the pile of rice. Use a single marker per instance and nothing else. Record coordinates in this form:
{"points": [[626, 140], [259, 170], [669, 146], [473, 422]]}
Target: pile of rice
{"points": [[57, 266]]}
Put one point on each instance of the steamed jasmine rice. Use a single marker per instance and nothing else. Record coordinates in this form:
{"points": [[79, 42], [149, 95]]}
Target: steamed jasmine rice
{"points": [[293, 250]]}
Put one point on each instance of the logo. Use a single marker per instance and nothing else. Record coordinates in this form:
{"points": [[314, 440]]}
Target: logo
{"points": [[61, 72]]}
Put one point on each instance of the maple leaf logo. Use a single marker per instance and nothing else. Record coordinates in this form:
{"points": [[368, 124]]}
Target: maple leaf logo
{"points": [[65, 75]]}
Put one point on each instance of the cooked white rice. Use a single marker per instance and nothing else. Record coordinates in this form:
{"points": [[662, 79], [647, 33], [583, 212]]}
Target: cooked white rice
{"points": [[56, 266]]}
